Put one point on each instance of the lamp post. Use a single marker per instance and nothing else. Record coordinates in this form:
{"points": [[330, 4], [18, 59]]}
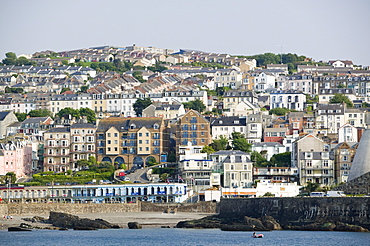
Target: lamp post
{"points": [[9, 184]]}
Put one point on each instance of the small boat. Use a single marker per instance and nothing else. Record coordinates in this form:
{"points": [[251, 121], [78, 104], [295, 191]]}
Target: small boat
{"points": [[257, 236]]}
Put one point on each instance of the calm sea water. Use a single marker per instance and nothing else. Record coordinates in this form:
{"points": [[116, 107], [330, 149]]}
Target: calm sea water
{"points": [[198, 237]]}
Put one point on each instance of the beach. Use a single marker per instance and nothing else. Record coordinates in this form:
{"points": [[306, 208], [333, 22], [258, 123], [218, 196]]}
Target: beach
{"points": [[146, 219]]}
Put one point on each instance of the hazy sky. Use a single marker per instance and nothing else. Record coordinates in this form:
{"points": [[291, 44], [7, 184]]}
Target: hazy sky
{"points": [[321, 29]]}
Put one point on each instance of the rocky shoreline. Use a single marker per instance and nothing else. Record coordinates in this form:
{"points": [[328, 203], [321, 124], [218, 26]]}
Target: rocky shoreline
{"points": [[265, 223], [63, 221]]}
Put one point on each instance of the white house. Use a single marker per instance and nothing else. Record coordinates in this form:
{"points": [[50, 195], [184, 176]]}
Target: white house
{"points": [[271, 148], [287, 99], [347, 133]]}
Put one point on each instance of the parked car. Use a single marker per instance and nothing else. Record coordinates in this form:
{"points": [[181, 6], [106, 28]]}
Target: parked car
{"points": [[105, 182], [137, 181]]}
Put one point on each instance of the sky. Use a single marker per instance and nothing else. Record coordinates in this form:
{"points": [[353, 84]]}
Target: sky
{"points": [[320, 29]]}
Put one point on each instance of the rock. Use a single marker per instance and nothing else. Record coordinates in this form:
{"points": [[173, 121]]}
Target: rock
{"points": [[165, 227], [17, 228], [24, 225], [256, 224], [134, 225], [270, 223], [346, 227], [74, 222], [206, 222]]}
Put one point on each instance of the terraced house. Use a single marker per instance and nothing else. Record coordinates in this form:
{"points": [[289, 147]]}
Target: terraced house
{"points": [[133, 141]]}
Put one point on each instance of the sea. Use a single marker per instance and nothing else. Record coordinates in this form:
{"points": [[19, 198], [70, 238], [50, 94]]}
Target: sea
{"points": [[176, 236]]}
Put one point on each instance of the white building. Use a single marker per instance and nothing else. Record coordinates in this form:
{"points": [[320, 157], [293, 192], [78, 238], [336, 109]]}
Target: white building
{"points": [[232, 169], [287, 99], [347, 133], [271, 148], [263, 81], [195, 168]]}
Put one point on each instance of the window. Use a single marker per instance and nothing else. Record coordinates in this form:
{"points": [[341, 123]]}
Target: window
{"points": [[308, 163], [231, 167], [140, 134]]}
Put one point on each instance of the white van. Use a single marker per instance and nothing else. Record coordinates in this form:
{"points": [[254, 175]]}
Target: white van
{"points": [[317, 194], [335, 193]]}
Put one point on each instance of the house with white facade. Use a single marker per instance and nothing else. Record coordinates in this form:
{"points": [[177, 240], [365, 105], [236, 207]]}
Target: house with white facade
{"points": [[287, 99], [195, 168], [228, 78], [232, 169], [347, 133], [262, 81], [311, 155], [270, 149]]}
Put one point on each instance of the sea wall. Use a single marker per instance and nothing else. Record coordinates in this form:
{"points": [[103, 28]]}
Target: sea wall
{"points": [[201, 207], [85, 208], [301, 211]]}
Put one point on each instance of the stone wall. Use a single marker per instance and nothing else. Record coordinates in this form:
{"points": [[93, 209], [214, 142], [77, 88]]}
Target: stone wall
{"points": [[201, 207], [85, 208], [45, 208], [359, 185], [3, 209], [301, 211]]}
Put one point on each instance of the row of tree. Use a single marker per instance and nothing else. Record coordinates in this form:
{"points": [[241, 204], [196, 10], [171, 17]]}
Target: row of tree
{"points": [[77, 113], [11, 59]]}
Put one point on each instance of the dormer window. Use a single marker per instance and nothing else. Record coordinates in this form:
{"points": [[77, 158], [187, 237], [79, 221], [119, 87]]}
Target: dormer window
{"points": [[308, 155], [132, 126], [156, 126]]}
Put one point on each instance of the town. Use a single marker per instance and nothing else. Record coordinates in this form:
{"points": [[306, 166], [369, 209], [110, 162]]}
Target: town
{"points": [[122, 124]]}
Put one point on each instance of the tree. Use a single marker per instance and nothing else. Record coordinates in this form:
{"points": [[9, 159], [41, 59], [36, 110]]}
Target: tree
{"points": [[82, 163], [197, 105], [140, 105], [40, 113], [281, 160], [239, 142], [21, 116], [138, 75], [10, 178], [89, 113], [10, 59], [311, 187], [13, 90], [341, 98], [220, 144], [84, 88], [64, 90], [258, 159], [207, 149], [171, 157], [164, 176], [69, 111], [268, 194], [279, 111], [23, 61]]}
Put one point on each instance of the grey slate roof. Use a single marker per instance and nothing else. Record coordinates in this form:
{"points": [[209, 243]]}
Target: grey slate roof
{"points": [[83, 125], [4, 114], [35, 120], [228, 121], [58, 129], [268, 144]]}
